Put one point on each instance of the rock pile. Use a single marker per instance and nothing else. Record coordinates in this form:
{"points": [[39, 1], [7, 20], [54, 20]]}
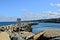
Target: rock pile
{"points": [[24, 32], [17, 31]]}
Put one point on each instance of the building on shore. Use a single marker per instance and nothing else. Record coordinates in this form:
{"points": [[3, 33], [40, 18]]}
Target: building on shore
{"points": [[18, 20]]}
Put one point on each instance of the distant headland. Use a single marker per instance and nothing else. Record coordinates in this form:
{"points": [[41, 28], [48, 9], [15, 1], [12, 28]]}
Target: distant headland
{"points": [[51, 20]]}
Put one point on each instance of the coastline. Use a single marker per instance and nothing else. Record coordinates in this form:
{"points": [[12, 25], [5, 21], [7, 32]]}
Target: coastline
{"points": [[23, 31]]}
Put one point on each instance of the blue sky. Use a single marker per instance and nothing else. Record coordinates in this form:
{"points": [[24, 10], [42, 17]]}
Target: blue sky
{"points": [[29, 9]]}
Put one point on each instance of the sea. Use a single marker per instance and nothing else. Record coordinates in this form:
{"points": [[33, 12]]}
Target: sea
{"points": [[38, 28]]}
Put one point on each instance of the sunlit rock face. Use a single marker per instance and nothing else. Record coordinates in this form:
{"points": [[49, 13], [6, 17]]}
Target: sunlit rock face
{"points": [[17, 32], [52, 33], [47, 35], [4, 36]]}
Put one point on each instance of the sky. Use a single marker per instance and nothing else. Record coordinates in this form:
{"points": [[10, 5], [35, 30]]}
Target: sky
{"points": [[29, 9]]}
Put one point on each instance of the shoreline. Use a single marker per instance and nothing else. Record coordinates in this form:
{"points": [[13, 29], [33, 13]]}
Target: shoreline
{"points": [[23, 29], [24, 32]]}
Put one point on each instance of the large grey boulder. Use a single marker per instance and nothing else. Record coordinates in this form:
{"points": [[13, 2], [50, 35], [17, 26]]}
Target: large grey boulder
{"points": [[26, 35], [51, 33], [48, 35]]}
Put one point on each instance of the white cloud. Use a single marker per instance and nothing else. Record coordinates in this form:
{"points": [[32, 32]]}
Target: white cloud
{"points": [[52, 4], [33, 16], [6, 18], [42, 15], [55, 4], [53, 14]]}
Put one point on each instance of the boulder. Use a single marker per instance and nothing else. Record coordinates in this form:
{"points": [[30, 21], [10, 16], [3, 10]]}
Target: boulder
{"points": [[26, 35], [52, 33], [47, 35], [38, 35], [4, 36]]}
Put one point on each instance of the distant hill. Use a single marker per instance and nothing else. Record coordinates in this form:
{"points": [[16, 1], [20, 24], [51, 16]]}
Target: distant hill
{"points": [[52, 20]]}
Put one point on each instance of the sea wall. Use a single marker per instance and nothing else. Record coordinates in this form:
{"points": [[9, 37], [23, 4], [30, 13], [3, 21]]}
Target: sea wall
{"points": [[21, 31], [24, 32]]}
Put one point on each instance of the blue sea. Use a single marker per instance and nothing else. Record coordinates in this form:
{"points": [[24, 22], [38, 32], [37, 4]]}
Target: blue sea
{"points": [[45, 26], [6, 23], [39, 27]]}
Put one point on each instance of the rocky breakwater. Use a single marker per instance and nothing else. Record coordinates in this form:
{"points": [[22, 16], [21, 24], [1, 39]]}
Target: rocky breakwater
{"points": [[17, 31], [24, 32]]}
